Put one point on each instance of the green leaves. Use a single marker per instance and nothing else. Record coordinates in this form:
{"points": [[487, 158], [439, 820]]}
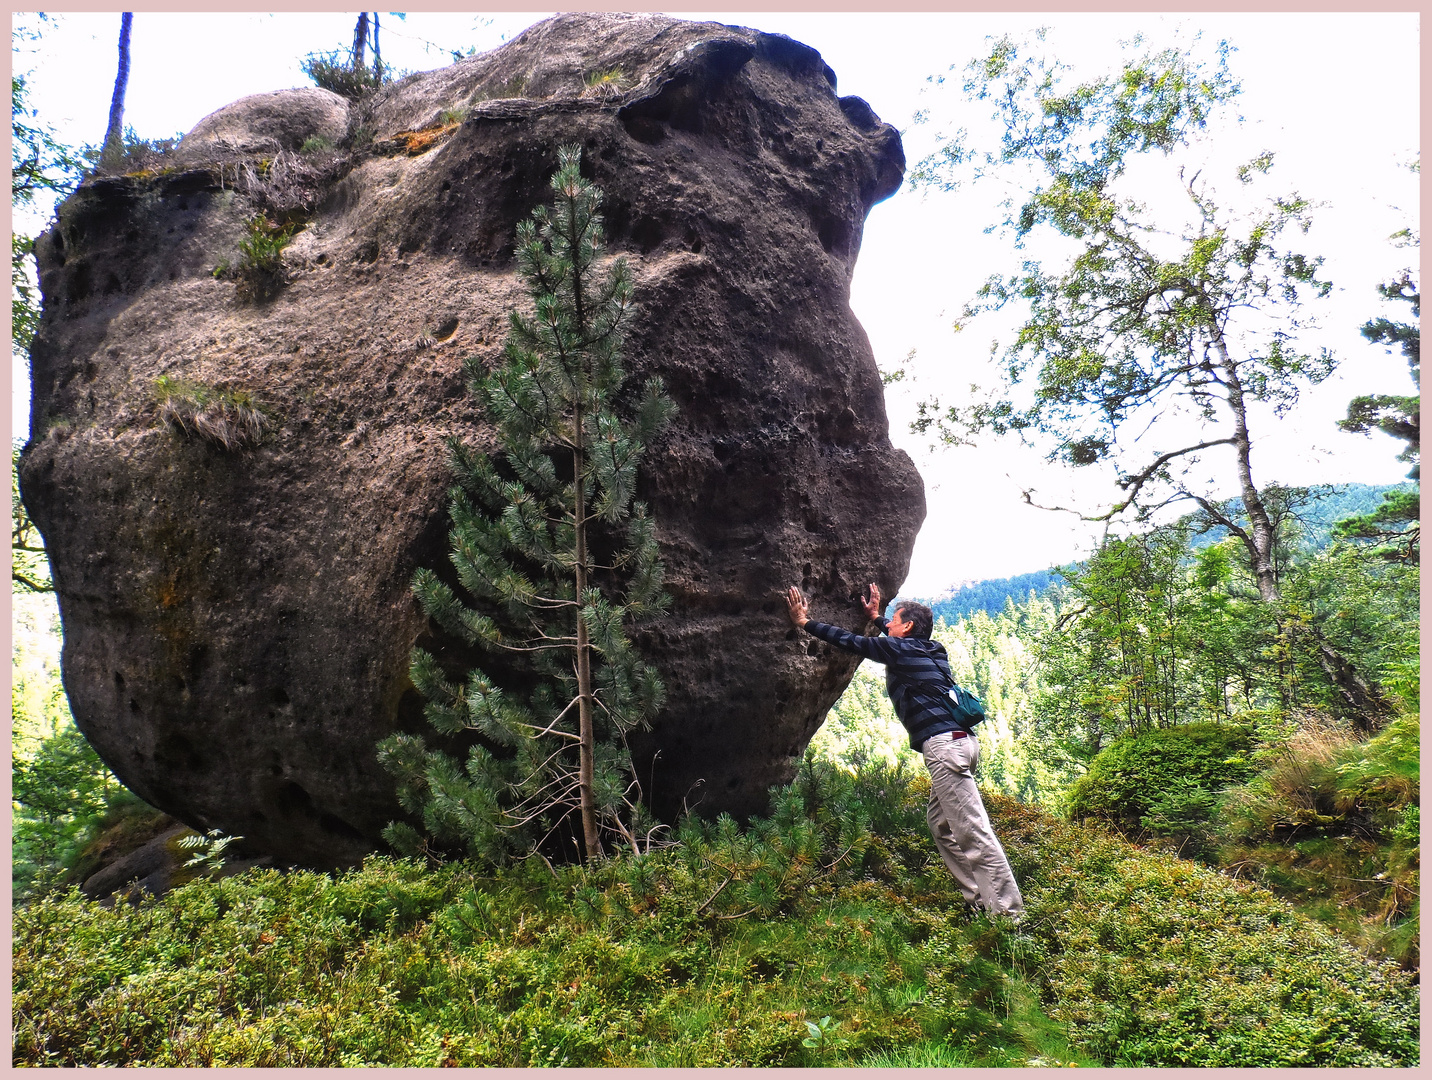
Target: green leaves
{"points": [[821, 1034], [1395, 526], [40, 165], [208, 850], [1396, 415], [1085, 133]]}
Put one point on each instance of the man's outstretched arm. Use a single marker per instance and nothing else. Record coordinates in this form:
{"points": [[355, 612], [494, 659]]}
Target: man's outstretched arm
{"points": [[880, 649]]}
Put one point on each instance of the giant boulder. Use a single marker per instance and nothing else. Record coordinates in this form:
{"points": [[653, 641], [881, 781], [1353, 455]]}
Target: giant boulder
{"points": [[237, 622]]}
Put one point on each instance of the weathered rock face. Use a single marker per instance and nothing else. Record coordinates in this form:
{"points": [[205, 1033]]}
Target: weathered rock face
{"points": [[238, 624], [259, 123]]}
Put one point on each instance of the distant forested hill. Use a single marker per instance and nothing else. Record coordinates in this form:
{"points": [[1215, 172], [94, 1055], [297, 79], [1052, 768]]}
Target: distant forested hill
{"points": [[990, 596], [1331, 505]]}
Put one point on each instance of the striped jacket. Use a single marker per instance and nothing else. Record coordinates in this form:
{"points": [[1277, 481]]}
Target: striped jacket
{"points": [[917, 672]]}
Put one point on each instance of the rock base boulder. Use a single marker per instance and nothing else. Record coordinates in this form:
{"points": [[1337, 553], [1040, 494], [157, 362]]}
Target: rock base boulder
{"points": [[238, 621]]}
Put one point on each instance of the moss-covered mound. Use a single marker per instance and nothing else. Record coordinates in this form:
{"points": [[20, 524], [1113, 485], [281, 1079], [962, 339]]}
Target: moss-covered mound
{"points": [[1162, 779]]}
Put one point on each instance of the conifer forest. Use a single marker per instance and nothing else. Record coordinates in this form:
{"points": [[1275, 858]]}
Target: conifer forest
{"points": [[1201, 740]]}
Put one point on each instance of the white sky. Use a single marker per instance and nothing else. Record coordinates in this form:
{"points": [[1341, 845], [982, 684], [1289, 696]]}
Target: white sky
{"points": [[1335, 95]]}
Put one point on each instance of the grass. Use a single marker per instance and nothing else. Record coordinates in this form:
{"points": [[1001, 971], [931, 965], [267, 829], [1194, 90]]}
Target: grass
{"points": [[231, 419], [514, 87], [1331, 824], [716, 951], [605, 82]]}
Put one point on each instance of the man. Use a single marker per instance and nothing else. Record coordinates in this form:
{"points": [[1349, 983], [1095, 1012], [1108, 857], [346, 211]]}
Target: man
{"points": [[917, 674]]}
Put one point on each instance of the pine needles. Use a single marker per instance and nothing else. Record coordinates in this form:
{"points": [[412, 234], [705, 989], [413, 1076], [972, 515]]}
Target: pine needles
{"points": [[552, 560]]}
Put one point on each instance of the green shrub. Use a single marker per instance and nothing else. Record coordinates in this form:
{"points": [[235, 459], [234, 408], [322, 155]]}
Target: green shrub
{"points": [[60, 793], [712, 953], [1163, 781], [315, 144], [335, 71], [64, 797], [259, 273], [135, 155]]}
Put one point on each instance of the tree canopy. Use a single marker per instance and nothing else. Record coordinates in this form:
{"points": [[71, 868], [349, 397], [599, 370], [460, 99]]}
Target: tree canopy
{"points": [[1394, 528], [1146, 348]]}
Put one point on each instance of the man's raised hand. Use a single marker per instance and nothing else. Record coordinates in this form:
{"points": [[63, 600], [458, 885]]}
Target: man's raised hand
{"points": [[797, 607], [872, 603]]}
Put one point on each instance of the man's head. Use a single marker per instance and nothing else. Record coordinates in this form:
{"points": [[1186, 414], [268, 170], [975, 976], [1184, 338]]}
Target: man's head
{"points": [[911, 620]]}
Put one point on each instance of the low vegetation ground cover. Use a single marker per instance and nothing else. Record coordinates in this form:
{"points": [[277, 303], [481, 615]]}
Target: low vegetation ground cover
{"points": [[1334, 824], [722, 949]]}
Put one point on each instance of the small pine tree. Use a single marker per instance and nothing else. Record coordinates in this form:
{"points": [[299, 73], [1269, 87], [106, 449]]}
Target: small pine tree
{"points": [[559, 557], [1395, 525]]}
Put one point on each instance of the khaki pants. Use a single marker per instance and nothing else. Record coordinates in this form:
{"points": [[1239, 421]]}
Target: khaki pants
{"points": [[961, 827]]}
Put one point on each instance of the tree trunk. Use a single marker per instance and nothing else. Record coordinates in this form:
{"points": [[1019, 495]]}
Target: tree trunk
{"points": [[360, 40], [377, 50], [1260, 543], [1366, 704], [112, 151], [586, 731]]}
